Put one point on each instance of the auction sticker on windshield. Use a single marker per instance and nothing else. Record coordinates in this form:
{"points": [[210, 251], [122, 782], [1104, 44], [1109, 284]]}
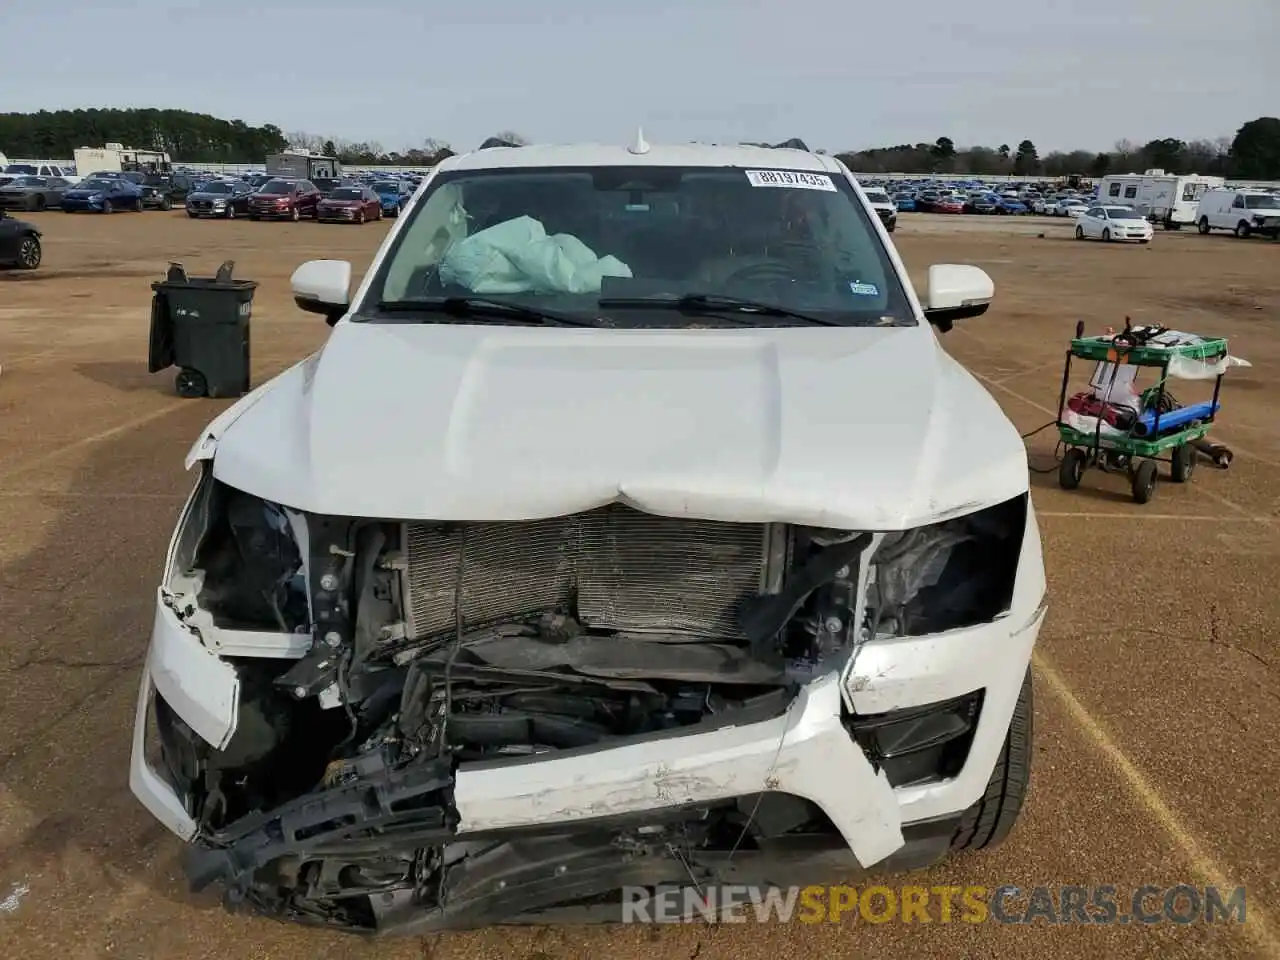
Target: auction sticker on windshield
{"points": [[790, 178]]}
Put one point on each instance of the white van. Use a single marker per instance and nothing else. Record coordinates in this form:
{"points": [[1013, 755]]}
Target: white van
{"points": [[1244, 212]]}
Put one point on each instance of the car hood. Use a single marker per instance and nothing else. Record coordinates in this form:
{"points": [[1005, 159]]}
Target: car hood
{"points": [[331, 202], [201, 195], [869, 428]]}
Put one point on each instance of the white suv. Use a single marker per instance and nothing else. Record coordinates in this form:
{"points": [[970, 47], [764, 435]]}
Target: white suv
{"points": [[631, 520]]}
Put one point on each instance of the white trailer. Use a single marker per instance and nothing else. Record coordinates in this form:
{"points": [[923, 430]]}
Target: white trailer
{"points": [[116, 158], [1169, 198]]}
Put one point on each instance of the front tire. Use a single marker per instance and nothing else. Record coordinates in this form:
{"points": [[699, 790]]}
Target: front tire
{"points": [[1106, 236], [1079, 233], [1203, 226], [30, 253], [1243, 230], [296, 215], [106, 206], [988, 822]]}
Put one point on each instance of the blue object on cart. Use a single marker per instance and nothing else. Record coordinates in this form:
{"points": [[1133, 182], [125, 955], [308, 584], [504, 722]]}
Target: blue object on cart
{"points": [[1174, 419]]}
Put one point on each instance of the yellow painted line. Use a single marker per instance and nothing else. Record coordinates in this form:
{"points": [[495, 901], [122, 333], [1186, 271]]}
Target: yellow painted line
{"points": [[125, 427], [1258, 927]]}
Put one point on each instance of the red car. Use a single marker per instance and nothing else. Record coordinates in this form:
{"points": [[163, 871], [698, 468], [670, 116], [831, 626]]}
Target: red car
{"points": [[948, 205], [350, 205], [284, 200]]}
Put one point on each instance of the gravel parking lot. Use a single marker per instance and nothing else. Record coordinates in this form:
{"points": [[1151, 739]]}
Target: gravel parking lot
{"points": [[1156, 680]]}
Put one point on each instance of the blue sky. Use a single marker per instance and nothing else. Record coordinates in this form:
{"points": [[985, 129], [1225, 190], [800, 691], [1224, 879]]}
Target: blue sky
{"points": [[837, 74]]}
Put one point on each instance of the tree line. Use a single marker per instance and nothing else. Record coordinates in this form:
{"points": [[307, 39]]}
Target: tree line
{"points": [[196, 137], [1252, 154]]}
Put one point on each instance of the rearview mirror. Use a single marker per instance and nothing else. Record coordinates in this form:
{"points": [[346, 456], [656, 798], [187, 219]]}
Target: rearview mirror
{"points": [[956, 291], [323, 287]]}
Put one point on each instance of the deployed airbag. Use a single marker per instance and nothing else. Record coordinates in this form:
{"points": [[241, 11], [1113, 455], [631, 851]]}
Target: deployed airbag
{"points": [[518, 256]]}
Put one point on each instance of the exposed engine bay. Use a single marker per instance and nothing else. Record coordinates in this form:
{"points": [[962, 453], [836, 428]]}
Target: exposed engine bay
{"points": [[386, 654]]}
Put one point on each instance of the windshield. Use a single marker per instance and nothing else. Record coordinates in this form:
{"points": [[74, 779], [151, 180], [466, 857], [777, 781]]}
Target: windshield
{"points": [[347, 193], [1122, 213], [1262, 203], [383, 186], [96, 185], [216, 188], [277, 186], [568, 238], [27, 182]]}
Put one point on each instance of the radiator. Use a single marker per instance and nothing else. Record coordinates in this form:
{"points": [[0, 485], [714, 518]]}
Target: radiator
{"points": [[615, 567]]}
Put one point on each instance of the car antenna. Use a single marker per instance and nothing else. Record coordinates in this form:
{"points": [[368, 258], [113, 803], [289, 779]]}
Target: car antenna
{"points": [[639, 145]]}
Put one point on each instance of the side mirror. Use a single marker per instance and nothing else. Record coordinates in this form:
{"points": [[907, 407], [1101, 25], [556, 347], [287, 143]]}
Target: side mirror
{"points": [[956, 292], [323, 287]]}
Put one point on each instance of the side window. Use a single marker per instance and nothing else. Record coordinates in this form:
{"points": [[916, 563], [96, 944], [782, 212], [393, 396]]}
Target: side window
{"points": [[1130, 192], [1096, 212], [1113, 190], [1238, 202]]}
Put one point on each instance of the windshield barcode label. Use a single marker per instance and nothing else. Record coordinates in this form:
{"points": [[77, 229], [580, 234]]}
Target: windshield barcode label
{"points": [[789, 178]]}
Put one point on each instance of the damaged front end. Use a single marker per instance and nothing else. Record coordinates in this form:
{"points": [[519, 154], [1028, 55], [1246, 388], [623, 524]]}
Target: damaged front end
{"points": [[392, 726]]}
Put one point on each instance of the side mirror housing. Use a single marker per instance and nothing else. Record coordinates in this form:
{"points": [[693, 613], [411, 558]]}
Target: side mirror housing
{"points": [[956, 292], [323, 287]]}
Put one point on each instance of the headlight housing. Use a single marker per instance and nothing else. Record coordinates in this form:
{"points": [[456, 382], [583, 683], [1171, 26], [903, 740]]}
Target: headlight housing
{"points": [[946, 576]]}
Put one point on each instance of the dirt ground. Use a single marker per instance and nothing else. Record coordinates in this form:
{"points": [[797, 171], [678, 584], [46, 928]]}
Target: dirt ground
{"points": [[1156, 677]]}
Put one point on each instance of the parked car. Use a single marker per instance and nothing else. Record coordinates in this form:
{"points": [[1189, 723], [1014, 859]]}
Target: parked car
{"points": [[219, 198], [1113, 223], [282, 199], [42, 170], [883, 206], [326, 185], [393, 194], [948, 204], [411, 661], [906, 202], [19, 243], [350, 205], [1069, 207], [33, 193], [103, 195]]}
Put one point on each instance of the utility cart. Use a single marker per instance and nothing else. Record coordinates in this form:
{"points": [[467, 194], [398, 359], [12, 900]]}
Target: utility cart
{"points": [[1115, 426]]}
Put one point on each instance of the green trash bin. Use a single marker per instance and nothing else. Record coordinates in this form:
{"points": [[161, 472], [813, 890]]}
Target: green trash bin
{"points": [[201, 325]]}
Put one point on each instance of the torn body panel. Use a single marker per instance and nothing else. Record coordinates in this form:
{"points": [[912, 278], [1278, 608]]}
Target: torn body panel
{"points": [[358, 720]]}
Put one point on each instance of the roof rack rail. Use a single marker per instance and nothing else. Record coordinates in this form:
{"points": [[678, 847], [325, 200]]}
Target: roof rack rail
{"points": [[496, 142], [795, 143]]}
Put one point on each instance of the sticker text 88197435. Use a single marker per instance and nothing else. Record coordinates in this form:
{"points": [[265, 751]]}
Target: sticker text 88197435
{"points": [[790, 178]]}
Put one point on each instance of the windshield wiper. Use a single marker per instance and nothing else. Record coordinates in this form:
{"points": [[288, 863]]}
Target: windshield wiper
{"points": [[704, 302], [479, 307]]}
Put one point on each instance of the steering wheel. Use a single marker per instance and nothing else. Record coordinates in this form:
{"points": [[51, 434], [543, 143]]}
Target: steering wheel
{"points": [[733, 270]]}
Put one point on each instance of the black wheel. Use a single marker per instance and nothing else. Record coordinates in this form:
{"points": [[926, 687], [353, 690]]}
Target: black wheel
{"points": [[190, 384], [1243, 230], [192, 215], [231, 212], [166, 204], [1071, 470], [29, 252], [1203, 226], [296, 215], [1184, 463], [988, 822], [1144, 481], [40, 202], [891, 227], [1106, 235], [106, 206], [139, 205], [1079, 233], [360, 217]]}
